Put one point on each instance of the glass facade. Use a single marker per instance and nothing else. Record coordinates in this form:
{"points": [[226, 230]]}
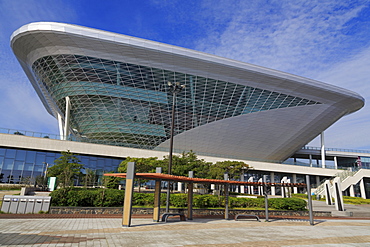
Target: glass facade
{"points": [[16, 164], [363, 162], [129, 105]]}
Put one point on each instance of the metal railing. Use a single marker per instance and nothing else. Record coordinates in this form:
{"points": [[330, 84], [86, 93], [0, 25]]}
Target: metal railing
{"points": [[86, 140], [29, 133], [337, 149]]}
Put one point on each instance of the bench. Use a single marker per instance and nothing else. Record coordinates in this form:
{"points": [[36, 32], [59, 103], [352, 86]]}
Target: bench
{"points": [[247, 215], [166, 215]]}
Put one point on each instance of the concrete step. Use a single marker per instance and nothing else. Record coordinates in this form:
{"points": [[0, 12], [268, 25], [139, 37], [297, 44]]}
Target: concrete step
{"points": [[341, 213]]}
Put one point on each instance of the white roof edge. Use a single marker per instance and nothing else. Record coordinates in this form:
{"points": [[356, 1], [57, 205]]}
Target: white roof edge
{"points": [[125, 39]]}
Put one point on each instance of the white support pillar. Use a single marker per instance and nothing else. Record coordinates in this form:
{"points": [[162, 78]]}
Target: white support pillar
{"points": [[310, 156], [322, 151], [362, 189], [260, 188], [272, 180], [241, 187], [288, 189], [335, 162], [338, 195], [352, 190], [179, 186], [66, 120], [251, 188], [328, 197], [283, 190], [60, 125], [295, 189], [317, 181]]}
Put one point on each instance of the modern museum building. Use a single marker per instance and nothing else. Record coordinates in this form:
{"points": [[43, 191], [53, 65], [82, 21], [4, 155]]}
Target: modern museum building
{"points": [[115, 96]]}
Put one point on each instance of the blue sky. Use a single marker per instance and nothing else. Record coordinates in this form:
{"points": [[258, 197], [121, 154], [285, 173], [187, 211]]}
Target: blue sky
{"points": [[319, 39]]}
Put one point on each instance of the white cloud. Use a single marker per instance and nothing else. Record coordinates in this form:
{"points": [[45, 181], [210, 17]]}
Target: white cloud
{"points": [[293, 36], [322, 40], [20, 107], [351, 131]]}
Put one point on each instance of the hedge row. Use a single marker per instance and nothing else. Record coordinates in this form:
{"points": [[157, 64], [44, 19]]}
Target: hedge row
{"points": [[114, 198]]}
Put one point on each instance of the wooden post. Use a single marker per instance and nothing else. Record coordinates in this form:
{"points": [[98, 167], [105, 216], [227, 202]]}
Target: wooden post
{"points": [[157, 201], [226, 187], [190, 197], [129, 190], [157, 197]]}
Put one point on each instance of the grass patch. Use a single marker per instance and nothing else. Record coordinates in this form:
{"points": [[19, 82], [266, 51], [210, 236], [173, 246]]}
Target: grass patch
{"points": [[355, 200], [10, 187]]}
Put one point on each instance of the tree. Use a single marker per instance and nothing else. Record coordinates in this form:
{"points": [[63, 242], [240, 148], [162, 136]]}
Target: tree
{"points": [[111, 182], [142, 165], [233, 168], [41, 181], [181, 165], [26, 180], [90, 178], [67, 168]]}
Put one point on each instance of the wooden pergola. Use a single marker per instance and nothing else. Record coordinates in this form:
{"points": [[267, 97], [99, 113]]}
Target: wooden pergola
{"points": [[158, 177]]}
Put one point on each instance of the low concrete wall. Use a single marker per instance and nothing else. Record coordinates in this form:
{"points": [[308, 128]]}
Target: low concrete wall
{"points": [[196, 212]]}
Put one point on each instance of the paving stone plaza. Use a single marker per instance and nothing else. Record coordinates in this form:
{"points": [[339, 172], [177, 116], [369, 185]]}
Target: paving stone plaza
{"points": [[198, 232]]}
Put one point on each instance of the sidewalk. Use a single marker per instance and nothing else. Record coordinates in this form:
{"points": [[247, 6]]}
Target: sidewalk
{"points": [[357, 211], [199, 232]]}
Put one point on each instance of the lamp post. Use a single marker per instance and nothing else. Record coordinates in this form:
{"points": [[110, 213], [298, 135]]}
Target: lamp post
{"points": [[174, 88]]}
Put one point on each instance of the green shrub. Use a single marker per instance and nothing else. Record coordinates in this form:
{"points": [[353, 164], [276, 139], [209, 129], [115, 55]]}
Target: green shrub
{"points": [[60, 197], [111, 198], [143, 199], [179, 200], [83, 197], [77, 197], [246, 202], [295, 204]]}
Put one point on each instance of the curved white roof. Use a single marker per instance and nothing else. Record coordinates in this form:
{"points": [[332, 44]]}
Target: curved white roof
{"points": [[271, 133]]}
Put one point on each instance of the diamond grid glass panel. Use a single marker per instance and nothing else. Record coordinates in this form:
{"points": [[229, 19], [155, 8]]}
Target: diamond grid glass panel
{"points": [[129, 105]]}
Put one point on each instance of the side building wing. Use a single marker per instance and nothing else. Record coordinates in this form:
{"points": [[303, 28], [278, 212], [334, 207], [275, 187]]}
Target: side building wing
{"points": [[117, 88]]}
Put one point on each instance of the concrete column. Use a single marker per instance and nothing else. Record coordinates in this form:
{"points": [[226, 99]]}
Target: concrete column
{"points": [[66, 120], [335, 162], [272, 180], [260, 188], [322, 151], [60, 126], [310, 157], [338, 196], [283, 188], [352, 190], [328, 197], [241, 187], [288, 189], [317, 181], [179, 186], [295, 189], [251, 188], [362, 189]]}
